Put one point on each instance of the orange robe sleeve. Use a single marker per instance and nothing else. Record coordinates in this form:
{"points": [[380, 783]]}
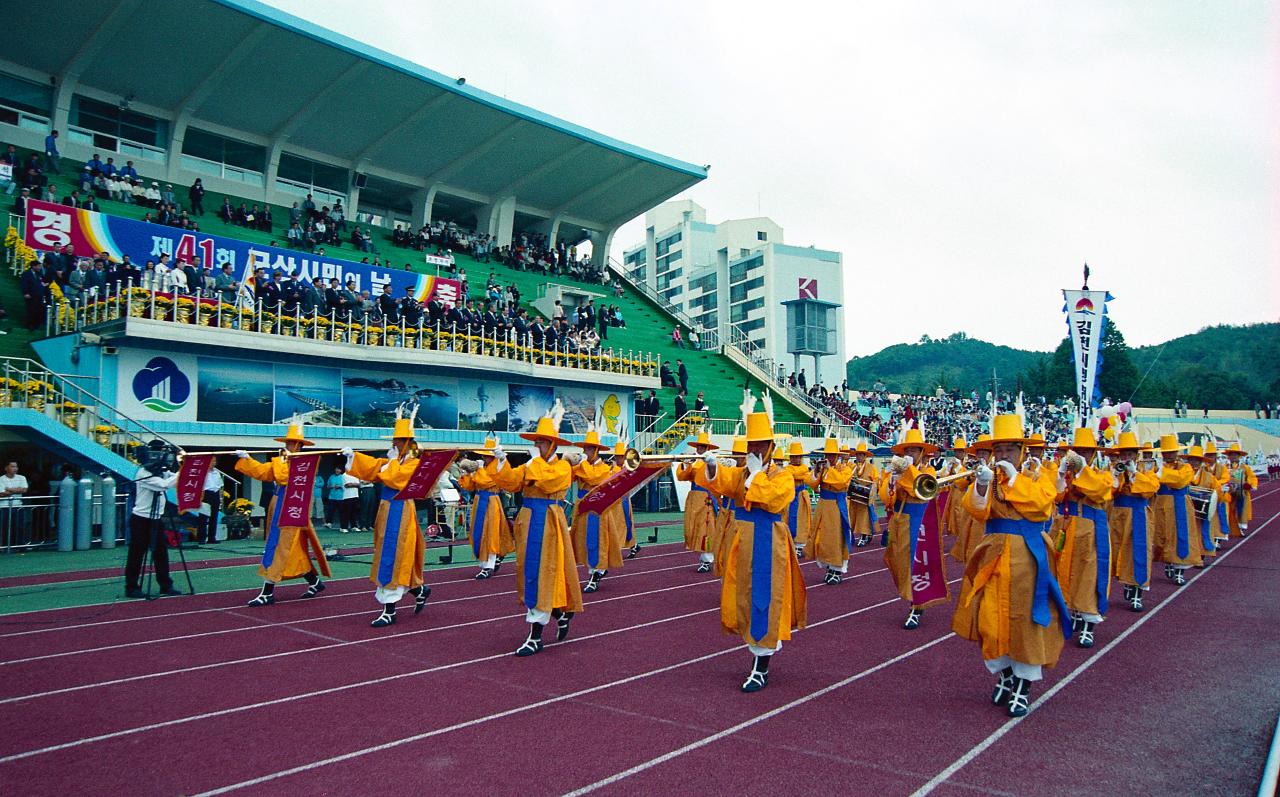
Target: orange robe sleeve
{"points": [[1092, 484], [262, 471], [1177, 476], [1032, 498]]}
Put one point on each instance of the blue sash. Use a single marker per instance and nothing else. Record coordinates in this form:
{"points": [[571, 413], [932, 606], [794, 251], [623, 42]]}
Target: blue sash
{"points": [[842, 503], [1180, 518], [915, 517], [273, 530], [1222, 516], [793, 511], [1101, 545], [1047, 588], [1138, 513], [390, 536], [533, 546], [761, 567], [593, 540], [626, 515], [477, 522]]}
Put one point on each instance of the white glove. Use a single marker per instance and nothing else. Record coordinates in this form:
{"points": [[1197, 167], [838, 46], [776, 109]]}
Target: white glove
{"points": [[899, 464], [985, 475], [469, 465], [1010, 472], [347, 452], [1074, 461], [1159, 467], [499, 454], [710, 458], [242, 454], [392, 453], [574, 458], [754, 464]]}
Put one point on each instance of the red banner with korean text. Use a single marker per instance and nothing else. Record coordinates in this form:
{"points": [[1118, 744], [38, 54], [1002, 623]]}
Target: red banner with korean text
{"points": [[616, 487], [191, 476], [297, 491], [430, 465], [928, 574]]}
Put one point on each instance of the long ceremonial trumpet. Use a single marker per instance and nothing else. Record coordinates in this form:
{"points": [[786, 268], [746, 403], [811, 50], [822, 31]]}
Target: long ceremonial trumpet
{"points": [[927, 485], [633, 459]]}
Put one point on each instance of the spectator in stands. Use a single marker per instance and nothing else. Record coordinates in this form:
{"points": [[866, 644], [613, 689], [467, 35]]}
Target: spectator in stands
{"points": [[137, 192], [195, 197], [50, 193], [52, 158], [294, 236], [167, 196], [309, 207], [681, 407], [35, 293], [90, 203], [13, 486], [225, 284], [665, 377], [72, 199], [410, 309], [362, 240], [153, 195], [387, 305], [802, 380], [683, 374], [9, 181], [20, 204], [339, 218], [700, 405], [676, 339]]}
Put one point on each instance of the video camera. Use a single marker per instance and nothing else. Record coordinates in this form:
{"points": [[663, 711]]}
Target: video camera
{"points": [[159, 456]]}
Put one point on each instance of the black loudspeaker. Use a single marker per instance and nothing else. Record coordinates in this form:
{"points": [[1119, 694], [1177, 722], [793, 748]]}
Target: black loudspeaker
{"points": [[361, 179]]}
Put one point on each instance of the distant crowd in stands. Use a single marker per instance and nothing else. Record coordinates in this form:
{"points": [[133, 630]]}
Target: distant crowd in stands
{"points": [[527, 251]]}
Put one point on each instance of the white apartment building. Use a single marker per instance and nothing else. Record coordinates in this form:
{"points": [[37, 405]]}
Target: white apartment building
{"points": [[741, 280]]}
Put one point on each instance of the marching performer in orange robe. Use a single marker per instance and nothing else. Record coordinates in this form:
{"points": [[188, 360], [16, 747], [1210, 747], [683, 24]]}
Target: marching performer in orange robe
{"points": [[832, 532], [800, 513], [1084, 562], [597, 539], [700, 505], [398, 545], [762, 597], [1010, 602], [968, 531], [546, 571], [1241, 483], [906, 517], [291, 550], [1177, 537], [1203, 482], [491, 537], [862, 516], [1131, 522], [623, 508], [1212, 475], [723, 535], [951, 465]]}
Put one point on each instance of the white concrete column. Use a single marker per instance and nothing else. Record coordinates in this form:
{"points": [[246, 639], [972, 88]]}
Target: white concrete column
{"points": [[498, 219], [273, 168], [422, 202], [61, 116], [177, 133], [600, 241]]}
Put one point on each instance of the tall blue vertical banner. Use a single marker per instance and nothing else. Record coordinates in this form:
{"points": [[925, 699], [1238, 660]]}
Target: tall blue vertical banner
{"points": [[1086, 322]]}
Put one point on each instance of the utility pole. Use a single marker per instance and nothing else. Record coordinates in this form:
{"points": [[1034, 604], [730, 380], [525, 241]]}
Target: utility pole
{"points": [[995, 392]]}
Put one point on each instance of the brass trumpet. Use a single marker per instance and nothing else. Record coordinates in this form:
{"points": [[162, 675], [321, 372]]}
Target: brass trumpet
{"points": [[927, 485], [633, 459]]}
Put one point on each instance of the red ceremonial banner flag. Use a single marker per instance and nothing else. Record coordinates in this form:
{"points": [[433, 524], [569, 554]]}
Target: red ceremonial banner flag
{"points": [[616, 487], [928, 579], [424, 477], [190, 487], [298, 489]]}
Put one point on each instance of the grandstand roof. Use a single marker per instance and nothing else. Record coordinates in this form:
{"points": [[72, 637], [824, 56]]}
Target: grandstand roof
{"points": [[246, 66]]}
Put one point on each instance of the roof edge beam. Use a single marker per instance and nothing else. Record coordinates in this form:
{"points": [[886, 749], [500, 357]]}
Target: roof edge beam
{"points": [[421, 113], [110, 26]]}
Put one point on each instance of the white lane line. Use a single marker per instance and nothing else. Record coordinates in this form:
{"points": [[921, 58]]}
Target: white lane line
{"points": [[318, 598], [1010, 724], [357, 685], [283, 654], [547, 702], [287, 623]]}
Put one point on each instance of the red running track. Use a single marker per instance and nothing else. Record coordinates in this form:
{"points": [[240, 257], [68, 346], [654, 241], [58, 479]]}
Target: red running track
{"points": [[190, 697]]}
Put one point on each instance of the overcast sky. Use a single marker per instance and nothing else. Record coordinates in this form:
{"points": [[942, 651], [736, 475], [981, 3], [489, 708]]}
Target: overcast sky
{"points": [[960, 156]]}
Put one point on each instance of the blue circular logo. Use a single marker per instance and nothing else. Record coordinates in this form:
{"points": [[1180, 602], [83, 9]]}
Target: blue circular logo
{"points": [[161, 386]]}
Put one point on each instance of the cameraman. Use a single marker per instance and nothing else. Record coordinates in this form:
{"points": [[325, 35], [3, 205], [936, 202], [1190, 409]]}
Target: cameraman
{"points": [[144, 521]]}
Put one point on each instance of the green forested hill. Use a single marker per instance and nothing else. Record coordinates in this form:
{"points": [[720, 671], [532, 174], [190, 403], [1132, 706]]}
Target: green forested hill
{"points": [[1222, 367]]}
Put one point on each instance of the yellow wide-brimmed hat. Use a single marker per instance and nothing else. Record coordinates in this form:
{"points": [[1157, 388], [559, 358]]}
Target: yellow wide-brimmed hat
{"points": [[1195, 452], [829, 446], [959, 444], [1128, 442], [619, 449], [1084, 438], [294, 435], [983, 443], [546, 431], [913, 439], [779, 451], [403, 430], [1035, 440], [591, 440], [490, 443], [796, 449], [1169, 444], [739, 446], [703, 442], [1210, 449], [759, 429], [861, 448], [1235, 448]]}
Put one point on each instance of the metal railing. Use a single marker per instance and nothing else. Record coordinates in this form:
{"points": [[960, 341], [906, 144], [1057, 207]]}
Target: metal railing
{"points": [[25, 383], [655, 297], [213, 310], [34, 524]]}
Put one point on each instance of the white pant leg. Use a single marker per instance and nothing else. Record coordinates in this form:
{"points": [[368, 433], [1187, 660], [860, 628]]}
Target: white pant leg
{"points": [[996, 665], [491, 561], [756, 650], [597, 570], [706, 557], [389, 595], [535, 616], [1031, 672], [1091, 618]]}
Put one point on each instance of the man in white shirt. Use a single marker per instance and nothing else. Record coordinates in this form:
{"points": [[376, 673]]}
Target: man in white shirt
{"points": [[212, 500], [137, 193], [13, 486], [145, 532]]}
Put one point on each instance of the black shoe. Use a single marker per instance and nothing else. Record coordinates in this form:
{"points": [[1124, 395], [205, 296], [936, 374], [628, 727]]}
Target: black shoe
{"points": [[169, 590], [484, 573], [1178, 578], [913, 619], [1020, 698], [1086, 634], [758, 678], [703, 567], [134, 593], [533, 644], [420, 598], [497, 565], [1135, 603], [1004, 687], [1075, 624], [388, 616], [562, 626], [1168, 572], [593, 583], [635, 551], [314, 590], [263, 599], [1128, 592]]}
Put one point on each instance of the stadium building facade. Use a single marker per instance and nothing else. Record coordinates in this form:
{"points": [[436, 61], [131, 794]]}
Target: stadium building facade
{"points": [[739, 280]]}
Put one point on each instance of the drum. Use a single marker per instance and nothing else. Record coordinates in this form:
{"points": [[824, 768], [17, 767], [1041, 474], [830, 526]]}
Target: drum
{"points": [[1204, 502]]}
